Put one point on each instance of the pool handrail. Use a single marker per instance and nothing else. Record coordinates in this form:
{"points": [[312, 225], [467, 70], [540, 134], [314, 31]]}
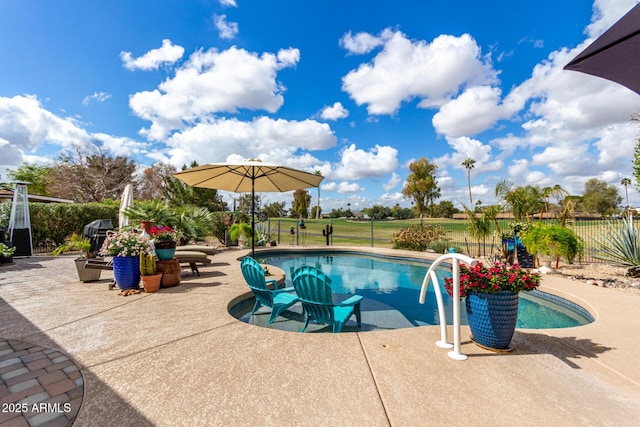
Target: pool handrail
{"points": [[455, 260]]}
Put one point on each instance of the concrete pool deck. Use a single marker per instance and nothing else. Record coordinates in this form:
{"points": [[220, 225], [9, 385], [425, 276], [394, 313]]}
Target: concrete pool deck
{"points": [[178, 358]]}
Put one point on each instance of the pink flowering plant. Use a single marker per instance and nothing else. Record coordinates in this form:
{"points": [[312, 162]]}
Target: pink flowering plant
{"points": [[163, 233], [493, 279], [125, 243]]}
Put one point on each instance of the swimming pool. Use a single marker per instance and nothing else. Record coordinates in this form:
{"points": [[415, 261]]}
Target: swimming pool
{"points": [[391, 287]]}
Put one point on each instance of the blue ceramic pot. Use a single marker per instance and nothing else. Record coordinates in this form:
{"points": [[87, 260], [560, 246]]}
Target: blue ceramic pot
{"points": [[165, 254], [126, 271], [492, 318]]}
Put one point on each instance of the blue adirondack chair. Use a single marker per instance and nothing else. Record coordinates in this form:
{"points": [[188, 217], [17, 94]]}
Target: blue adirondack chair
{"points": [[278, 299], [314, 291]]}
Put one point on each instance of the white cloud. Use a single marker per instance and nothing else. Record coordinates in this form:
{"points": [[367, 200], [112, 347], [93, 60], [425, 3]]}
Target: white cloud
{"points": [[392, 183], [349, 188], [167, 54], [343, 187], [97, 96], [26, 125], [212, 82], [404, 70], [465, 147], [273, 140], [121, 146], [363, 42], [228, 3], [226, 30], [334, 112], [357, 163], [474, 111]]}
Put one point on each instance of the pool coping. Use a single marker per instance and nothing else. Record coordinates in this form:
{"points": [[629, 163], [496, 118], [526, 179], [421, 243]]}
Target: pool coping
{"points": [[205, 367]]}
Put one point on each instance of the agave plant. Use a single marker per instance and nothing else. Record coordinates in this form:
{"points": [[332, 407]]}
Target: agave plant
{"points": [[618, 244]]}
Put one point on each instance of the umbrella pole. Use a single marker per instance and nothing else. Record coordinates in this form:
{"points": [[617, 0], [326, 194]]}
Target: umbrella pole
{"points": [[253, 216]]}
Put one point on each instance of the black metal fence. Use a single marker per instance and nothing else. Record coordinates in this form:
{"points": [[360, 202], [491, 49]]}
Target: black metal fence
{"points": [[348, 232]]}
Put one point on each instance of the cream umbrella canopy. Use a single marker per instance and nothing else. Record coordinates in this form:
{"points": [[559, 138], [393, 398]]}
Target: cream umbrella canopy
{"points": [[249, 176], [126, 200]]}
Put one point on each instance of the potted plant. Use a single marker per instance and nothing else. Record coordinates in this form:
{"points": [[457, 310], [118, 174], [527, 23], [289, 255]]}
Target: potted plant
{"points": [[164, 241], [150, 278], [125, 247], [6, 254], [240, 232], [76, 242], [492, 300], [553, 240]]}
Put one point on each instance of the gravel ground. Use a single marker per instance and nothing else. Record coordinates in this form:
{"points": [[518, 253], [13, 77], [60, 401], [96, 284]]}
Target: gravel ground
{"points": [[603, 275]]}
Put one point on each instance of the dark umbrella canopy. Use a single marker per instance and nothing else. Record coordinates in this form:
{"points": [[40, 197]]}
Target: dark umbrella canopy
{"points": [[615, 55], [249, 176]]}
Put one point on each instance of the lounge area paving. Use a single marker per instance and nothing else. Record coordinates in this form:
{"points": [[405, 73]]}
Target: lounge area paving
{"points": [[178, 358]]}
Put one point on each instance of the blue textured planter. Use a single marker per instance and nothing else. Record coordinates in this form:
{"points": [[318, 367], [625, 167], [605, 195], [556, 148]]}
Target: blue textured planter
{"points": [[126, 271], [492, 318], [165, 254]]}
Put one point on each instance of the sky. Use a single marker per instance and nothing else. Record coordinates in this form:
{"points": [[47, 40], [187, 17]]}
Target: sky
{"points": [[355, 89]]}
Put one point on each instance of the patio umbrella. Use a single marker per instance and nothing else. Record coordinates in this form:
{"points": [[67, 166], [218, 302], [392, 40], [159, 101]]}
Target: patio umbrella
{"points": [[126, 200], [614, 55], [249, 176]]}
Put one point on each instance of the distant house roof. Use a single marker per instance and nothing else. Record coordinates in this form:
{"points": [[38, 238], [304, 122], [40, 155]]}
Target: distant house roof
{"points": [[7, 196]]}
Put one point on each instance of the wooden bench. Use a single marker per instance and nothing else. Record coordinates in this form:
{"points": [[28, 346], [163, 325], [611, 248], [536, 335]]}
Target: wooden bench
{"points": [[101, 264], [209, 250], [192, 258]]}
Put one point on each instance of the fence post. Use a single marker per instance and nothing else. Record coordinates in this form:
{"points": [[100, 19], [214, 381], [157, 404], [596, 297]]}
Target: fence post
{"points": [[279, 231], [371, 232]]}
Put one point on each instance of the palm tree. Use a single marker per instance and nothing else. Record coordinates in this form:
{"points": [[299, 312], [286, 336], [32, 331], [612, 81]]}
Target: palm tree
{"points": [[625, 182], [317, 172], [556, 191], [469, 164], [521, 200]]}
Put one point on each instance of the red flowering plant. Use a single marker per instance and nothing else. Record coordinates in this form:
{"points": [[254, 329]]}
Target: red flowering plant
{"points": [[163, 235], [493, 279]]}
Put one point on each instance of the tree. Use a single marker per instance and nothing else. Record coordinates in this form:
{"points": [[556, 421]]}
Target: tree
{"points": [[444, 209], [89, 175], [479, 227], [377, 212], [625, 182], [154, 180], [317, 212], [244, 202], [36, 176], [548, 192], [300, 204], [180, 194], [522, 201], [399, 212], [422, 185], [275, 209], [600, 197], [636, 159], [469, 164]]}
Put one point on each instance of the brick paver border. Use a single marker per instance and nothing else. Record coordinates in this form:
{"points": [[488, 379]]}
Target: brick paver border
{"points": [[39, 386]]}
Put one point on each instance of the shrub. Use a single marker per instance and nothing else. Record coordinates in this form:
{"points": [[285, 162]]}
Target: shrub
{"points": [[555, 240], [417, 237], [618, 244]]}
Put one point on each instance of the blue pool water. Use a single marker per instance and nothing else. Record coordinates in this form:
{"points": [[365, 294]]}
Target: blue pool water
{"points": [[391, 287]]}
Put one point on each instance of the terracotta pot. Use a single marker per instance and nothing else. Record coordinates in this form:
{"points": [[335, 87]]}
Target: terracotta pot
{"points": [[146, 226], [151, 283]]}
